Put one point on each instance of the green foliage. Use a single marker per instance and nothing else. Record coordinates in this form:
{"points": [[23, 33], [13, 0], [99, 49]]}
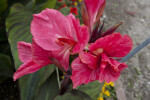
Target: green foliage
{"points": [[49, 4], [68, 96], [49, 89], [92, 89], [6, 69], [18, 28], [6, 62], [65, 11], [3, 5], [73, 95], [43, 4], [38, 79]]}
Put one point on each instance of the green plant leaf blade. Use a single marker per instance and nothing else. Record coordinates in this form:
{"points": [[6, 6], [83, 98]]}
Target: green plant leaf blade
{"points": [[6, 67], [49, 89], [93, 89], [3, 5], [68, 96], [43, 4]]}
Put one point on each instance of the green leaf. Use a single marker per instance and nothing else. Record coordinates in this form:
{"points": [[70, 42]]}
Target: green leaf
{"points": [[73, 95], [83, 95], [43, 4], [18, 29], [93, 89], [68, 96], [65, 11], [49, 89], [30, 4], [30, 84], [49, 4], [38, 79], [6, 69], [3, 5]]}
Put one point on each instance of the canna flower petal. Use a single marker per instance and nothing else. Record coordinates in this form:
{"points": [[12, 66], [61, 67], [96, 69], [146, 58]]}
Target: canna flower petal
{"points": [[33, 58], [47, 26], [110, 69], [24, 51], [39, 55], [79, 33], [92, 11], [114, 45], [50, 26], [26, 68], [89, 59], [82, 74], [83, 37], [62, 56], [118, 65]]}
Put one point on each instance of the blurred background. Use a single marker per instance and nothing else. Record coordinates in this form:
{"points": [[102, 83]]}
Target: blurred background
{"points": [[134, 83]]}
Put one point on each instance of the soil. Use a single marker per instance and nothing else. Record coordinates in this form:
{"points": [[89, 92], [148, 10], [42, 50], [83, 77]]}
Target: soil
{"points": [[136, 15]]}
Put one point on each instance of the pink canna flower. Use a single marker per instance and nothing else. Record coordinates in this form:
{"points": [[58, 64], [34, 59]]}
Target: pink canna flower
{"points": [[99, 63], [92, 11], [59, 34], [82, 74], [33, 58]]}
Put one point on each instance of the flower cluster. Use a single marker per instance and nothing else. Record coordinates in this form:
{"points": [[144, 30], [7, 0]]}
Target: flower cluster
{"points": [[72, 4], [56, 37], [107, 91]]}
